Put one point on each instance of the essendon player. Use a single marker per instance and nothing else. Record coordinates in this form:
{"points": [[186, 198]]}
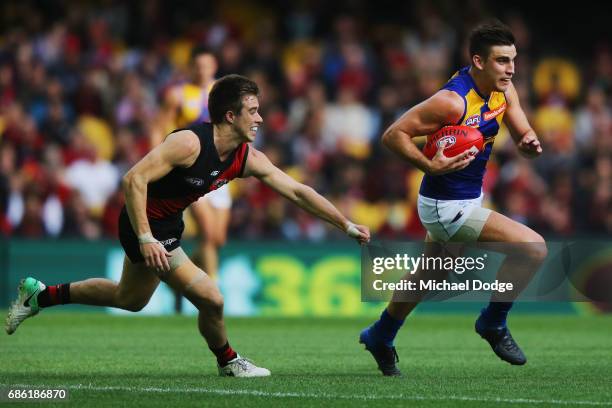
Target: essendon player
{"points": [[188, 164]]}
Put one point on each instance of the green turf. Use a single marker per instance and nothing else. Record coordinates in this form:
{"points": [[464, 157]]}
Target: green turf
{"points": [[161, 361]]}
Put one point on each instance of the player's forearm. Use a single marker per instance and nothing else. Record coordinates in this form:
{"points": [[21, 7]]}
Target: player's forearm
{"points": [[135, 190], [528, 144], [308, 199], [518, 136], [402, 144]]}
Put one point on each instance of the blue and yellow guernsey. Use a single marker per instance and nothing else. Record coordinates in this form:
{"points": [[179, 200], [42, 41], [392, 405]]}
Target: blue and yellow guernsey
{"points": [[483, 113], [193, 105]]}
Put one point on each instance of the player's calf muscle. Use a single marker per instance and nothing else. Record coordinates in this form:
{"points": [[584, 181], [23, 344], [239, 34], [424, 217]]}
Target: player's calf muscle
{"points": [[95, 291]]}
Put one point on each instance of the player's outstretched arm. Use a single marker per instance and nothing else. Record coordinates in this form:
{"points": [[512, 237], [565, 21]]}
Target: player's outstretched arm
{"points": [[442, 109], [524, 136], [258, 165], [180, 149]]}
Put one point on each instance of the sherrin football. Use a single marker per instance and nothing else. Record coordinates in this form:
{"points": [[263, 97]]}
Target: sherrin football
{"points": [[458, 139]]}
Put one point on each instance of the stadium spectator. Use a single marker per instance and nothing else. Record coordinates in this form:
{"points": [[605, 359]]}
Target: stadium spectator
{"points": [[84, 69]]}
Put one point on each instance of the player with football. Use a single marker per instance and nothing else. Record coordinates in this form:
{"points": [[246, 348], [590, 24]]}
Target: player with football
{"points": [[450, 198], [188, 164]]}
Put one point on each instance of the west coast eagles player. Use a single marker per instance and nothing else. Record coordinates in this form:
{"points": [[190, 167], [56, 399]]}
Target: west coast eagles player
{"points": [[480, 95], [186, 104]]}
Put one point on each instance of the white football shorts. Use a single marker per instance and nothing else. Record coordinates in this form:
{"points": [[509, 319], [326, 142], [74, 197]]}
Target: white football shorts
{"points": [[219, 198], [452, 220]]}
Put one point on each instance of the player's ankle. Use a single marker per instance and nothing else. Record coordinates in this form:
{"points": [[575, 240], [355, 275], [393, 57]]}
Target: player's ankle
{"points": [[224, 354], [54, 295]]}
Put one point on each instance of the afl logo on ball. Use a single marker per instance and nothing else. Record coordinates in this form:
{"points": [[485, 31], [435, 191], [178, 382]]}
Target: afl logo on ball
{"points": [[447, 141], [473, 120]]}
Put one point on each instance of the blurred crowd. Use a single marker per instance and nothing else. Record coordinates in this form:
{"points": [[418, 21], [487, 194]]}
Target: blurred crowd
{"points": [[82, 86]]}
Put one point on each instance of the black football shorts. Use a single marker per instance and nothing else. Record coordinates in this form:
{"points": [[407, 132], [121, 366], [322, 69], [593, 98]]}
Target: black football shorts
{"points": [[168, 231]]}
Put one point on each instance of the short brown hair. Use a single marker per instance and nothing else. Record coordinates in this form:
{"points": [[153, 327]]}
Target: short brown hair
{"points": [[488, 34], [226, 95]]}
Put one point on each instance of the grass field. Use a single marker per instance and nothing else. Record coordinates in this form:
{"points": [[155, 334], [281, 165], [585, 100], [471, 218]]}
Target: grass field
{"points": [[161, 361]]}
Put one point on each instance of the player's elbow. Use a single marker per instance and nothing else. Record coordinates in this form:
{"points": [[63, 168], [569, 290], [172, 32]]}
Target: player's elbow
{"points": [[130, 181], [127, 181], [301, 192], [387, 137], [391, 138]]}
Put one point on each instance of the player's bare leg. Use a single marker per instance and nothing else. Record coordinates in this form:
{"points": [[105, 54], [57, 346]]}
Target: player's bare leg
{"points": [[378, 338], [524, 256], [399, 307], [523, 259], [203, 293], [213, 223], [132, 293]]}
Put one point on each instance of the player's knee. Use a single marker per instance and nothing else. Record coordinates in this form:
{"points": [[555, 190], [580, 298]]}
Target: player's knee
{"points": [[536, 248], [214, 238], [131, 304], [539, 252], [212, 303], [215, 302], [219, 239]]}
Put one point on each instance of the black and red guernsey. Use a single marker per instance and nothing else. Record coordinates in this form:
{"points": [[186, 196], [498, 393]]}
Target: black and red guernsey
{"points": [[171, 194]]}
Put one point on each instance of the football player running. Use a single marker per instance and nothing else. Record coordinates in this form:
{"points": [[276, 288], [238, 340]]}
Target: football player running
{"points": [[450, 198], [188, 164]]}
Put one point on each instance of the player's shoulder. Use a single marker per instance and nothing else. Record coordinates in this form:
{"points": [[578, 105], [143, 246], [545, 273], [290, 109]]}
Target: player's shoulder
{"points": [[446, 101], [257, 163], [253, 154], [185, 140], [460, 82], [202, 130], [177, 87]]}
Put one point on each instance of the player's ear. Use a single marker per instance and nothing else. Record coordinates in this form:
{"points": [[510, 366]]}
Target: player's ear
{"points": [[478, 61], [230, 117]]}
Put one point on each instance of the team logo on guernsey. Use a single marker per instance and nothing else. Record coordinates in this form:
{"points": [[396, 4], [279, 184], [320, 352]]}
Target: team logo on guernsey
{"points": [[494, 112], [214, 173], [473, 120], [219, 183], [195, 181]]}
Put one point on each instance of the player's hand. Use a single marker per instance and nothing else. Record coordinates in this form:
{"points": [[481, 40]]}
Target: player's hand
{"points": [[440, 164], [530, 146], [156, 256], [360, 232]]}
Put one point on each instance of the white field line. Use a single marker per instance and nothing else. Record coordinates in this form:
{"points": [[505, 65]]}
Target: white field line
{"points": [[258, 393]]}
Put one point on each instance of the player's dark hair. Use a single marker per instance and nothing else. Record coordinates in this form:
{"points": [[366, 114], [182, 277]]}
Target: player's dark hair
{"points": [[488, 34], [199, 50], [226, 95]]}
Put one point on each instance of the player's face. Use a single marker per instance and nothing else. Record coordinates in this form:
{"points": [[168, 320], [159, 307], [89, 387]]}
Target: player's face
{"points": [[249, 119], [205, 67], [499, 66]]}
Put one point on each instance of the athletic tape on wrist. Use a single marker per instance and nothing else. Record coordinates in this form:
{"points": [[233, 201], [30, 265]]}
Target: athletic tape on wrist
{"points": [[147, 238], [352, 230]]}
